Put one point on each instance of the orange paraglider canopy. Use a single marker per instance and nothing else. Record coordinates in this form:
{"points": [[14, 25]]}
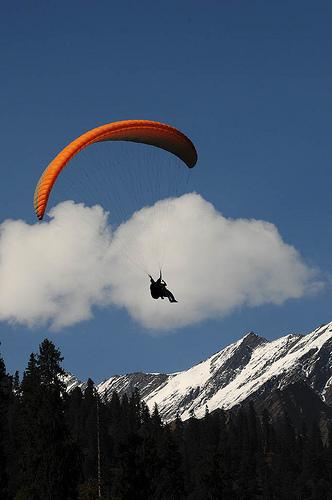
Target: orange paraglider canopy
{"points": [[143, 131]]}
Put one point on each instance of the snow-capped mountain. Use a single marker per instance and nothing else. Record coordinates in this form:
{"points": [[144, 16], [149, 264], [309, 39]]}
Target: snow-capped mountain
{"points": [[251, 368]]}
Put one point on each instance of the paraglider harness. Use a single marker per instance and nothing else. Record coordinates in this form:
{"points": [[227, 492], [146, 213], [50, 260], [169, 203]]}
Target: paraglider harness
{"points": [[158, 289]]}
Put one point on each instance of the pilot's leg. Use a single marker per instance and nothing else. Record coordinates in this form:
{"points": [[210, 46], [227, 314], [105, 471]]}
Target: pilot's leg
{"points": [[171, 297]]}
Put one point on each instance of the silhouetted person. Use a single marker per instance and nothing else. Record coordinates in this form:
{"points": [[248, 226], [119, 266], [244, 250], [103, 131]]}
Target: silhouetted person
{"points": [[158, 289]]}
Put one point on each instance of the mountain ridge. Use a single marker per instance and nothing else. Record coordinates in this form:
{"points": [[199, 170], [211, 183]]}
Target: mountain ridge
{"points": [[249, 369]]}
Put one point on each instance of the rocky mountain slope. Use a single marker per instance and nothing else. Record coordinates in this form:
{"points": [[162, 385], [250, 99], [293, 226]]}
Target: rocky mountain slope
{"points": [[252, 368]]}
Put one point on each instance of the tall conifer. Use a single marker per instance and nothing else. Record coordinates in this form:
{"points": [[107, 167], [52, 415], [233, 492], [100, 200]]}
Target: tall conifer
{"points": [[5, 391]]}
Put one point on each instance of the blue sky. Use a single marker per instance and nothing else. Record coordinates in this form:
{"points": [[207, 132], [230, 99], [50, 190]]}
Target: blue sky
{"points": [[249, 82]]}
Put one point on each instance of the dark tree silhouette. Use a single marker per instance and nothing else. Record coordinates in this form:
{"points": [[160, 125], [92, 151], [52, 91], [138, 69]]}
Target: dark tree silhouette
{"points": [[84, 446]]}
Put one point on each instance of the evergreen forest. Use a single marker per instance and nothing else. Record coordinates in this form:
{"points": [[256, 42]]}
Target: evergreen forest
{"points": [[60, 446]]}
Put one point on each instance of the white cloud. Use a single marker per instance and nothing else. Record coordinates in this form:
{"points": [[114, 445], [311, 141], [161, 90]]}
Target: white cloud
{"points": [[55, 272]]}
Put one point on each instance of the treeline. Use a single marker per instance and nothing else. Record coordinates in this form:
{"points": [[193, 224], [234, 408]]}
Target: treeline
{"points": [[55, 446]]}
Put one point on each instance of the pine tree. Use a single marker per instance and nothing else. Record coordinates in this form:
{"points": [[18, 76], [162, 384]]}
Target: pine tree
{"points": [[49, 457], [169, 483], [28, 430], [193, 455], [90, 434], [13, 436], [5, 392], [74, 414], [152, 449]]}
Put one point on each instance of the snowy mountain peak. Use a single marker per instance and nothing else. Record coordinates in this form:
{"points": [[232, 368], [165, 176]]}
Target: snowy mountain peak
{"points": [[252, 340], [253, 337], [250, 368]]}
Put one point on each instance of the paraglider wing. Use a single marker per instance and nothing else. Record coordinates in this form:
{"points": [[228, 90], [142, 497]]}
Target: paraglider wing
{"points": [[143, 131]]}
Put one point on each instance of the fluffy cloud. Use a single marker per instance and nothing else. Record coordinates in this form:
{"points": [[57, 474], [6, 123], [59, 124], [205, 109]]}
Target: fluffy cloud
{"points": [[57, 271]]}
